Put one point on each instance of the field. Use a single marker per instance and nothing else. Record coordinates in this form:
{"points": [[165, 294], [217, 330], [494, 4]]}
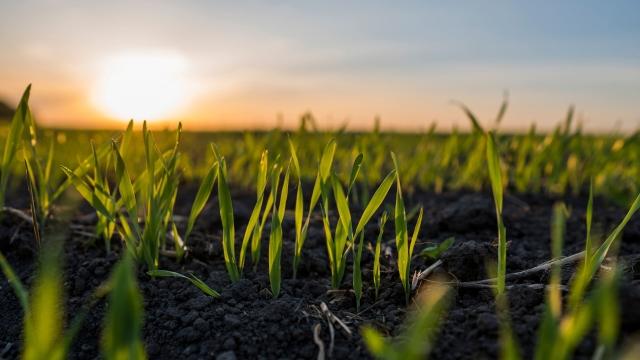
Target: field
{"points": [[319, 244]]}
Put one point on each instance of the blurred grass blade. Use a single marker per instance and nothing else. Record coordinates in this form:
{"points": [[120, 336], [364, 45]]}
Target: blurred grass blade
{"points": [[589, 216], [11, 143], [477, 128], [16, 284], [418, 337], [121, 337], [601, 253], [43, 338]]}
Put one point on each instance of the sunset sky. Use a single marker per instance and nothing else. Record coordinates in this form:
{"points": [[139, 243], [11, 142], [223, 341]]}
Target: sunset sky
{"points": [[227, 65]]}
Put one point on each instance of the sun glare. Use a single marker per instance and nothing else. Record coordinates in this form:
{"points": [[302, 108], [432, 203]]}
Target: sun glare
{"points": [[143, 86]]}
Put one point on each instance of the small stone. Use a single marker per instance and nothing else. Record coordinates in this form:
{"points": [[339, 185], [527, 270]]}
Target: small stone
{"points": [[99, 270], [79, 285], [229, 344], [240, 289], [232, 320], [190, 317], [188, 334], [189, 350], [227, 355], [200, 302], [153, 349], [201, 325], [487, 322]]}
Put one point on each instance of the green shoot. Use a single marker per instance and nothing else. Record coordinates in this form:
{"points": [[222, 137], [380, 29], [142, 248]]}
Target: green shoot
{"points": [[261, 185], [403, 246], [157, 193], [559, 334], [226, 217], [357, 271], [373, 205], [589, 216], [256, 236], [557, 235], [275, 237], [300, 227], [495, 176], [191, 277], [591, 265], [204, 191], [376, 254], [434, 251], [105, 228]]}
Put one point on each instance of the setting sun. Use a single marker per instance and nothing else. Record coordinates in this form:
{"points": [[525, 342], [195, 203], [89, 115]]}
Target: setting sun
{"points": [[143, 86]]}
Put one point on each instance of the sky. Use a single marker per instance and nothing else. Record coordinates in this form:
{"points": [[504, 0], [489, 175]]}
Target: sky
{"points": [[258, 64]]}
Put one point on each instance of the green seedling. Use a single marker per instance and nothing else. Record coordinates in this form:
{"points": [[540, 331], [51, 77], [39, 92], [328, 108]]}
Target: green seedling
{"points": [[562, 330], [275, 236], [105, 227], [256, 236], [343, 239], [495, 177], [226, 217], [403, 246], [434, 251], [156, 195], [44, 187], [376, 254], [357, 271], [261, 185], [301, 228]]}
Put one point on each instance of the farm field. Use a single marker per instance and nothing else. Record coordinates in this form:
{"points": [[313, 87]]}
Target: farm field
{"points": [[319, 244]]}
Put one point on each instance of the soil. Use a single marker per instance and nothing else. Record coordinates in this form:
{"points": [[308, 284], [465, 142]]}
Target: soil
{"points": [[247, 323]]}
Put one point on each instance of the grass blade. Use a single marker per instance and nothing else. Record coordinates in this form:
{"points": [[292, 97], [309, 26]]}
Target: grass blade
{"points": [[375, 201], [376, 258], [204, 191], [226, 217], [191, 277], [495, 177]]}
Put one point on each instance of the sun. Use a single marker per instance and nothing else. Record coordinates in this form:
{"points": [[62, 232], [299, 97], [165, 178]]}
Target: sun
{"points": [[149, 85]]}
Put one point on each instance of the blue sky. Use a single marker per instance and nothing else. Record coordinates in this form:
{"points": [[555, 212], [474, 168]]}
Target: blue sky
{"points": [[251, 62]]}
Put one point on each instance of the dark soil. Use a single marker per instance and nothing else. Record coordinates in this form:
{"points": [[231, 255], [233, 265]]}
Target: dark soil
{"points": [[246, 323]]}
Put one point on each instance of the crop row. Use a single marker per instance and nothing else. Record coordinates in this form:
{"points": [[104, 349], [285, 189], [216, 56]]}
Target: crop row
{"points": [[135, 203]]}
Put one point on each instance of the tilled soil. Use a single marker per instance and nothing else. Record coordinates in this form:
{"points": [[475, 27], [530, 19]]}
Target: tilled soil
{"points": [[247, 323]]}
